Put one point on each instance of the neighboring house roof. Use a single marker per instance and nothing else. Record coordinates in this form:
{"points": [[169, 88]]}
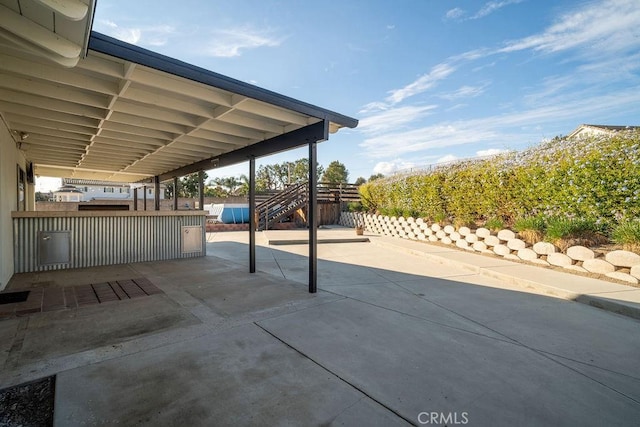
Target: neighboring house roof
{"points": [[68, 189], [589, 129], [85, 182]]}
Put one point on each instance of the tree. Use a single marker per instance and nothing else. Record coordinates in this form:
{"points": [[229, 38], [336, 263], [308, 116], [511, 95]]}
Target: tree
{"points": [[265, 178], [169, 190], [336, 173], [42, 197], [243, 190], [278, 176], [188, 186], [214, 192], [230, 183], [361, 180], [299, 171], [375, 176]]}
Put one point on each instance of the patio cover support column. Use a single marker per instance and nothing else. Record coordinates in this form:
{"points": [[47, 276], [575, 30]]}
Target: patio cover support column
{"points": [[144, 197], [135, 199], [313, 217], [201, 190], [252, 214], [156, 193], [175, 193]]}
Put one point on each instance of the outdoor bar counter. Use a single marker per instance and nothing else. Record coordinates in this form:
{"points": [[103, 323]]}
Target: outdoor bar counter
{"points": [[46, 240]]}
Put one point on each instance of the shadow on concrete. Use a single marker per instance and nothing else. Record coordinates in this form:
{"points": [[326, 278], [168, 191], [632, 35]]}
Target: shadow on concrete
{"points": [[458, 342]]}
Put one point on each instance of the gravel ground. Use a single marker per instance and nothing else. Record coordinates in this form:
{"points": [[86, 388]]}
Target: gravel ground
{"points": [[28, 405]]}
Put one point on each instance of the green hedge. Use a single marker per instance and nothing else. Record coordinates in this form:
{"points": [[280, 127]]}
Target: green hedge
{"points": [[595, 178]]}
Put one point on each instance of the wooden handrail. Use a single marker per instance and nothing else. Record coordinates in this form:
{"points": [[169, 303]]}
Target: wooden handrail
{"points": [[294, 196]]}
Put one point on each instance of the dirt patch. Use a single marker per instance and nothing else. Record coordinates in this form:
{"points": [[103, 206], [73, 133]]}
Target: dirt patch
{"points": [[29, 404]]}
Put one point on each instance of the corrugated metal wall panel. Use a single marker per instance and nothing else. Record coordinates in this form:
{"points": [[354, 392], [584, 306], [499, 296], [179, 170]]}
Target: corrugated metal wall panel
{"points": [[105, 240]]}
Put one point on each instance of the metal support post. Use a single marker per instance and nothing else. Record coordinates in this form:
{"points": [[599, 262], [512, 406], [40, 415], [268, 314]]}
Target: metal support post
{"points": [[156, 193], [252, 214], [201, 190], [135, 199], [313, 218], [175, 193]]}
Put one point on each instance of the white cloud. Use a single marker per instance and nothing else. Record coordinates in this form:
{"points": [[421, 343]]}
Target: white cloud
{"points": [[490, 152], [455, 13], [611, 69], [455, 107], [387, 168], [604, 37], [424, 138], [394, 118], [595, 32], [422, 84], [492, 6], [464, 92], [488, 8], [231, 42], [391, 27], [356, 48], [489, 129], [482, 67], [373, 107], [600, 29], [155, 35], [550, 86], [448, 158]]}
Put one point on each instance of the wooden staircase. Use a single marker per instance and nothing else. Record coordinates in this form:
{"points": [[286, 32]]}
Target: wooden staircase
{"points": [[285, 203]]}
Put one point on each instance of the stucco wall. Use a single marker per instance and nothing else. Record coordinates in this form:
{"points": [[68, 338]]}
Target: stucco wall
{"points": [[10, 157]]}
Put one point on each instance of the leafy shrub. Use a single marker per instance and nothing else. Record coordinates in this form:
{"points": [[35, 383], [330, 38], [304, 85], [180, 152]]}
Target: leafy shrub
{"points": [[565, 232], [594, 178], [440, 217], [355, 207], [536, 223], [531, 229], [494, 224], [562, 228], [464, 222], [627, 234]]}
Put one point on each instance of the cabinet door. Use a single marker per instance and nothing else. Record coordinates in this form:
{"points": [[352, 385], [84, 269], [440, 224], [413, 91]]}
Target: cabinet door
{"points": [[54, 247], [191, 239]]}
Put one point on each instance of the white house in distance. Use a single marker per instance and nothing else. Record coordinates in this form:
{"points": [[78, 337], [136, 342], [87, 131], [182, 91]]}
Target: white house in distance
{"points": [[67, 193], [85, 190], [584, 130]]}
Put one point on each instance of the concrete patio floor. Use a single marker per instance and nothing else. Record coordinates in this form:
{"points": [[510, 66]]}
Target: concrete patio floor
{"points": [[391, 338]]}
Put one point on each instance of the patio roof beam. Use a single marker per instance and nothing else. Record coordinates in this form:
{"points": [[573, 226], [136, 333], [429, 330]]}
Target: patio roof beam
{"points": [[316, 132]]}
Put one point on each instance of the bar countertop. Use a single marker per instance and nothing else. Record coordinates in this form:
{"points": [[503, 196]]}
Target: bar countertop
{"points": [[105, 213]]}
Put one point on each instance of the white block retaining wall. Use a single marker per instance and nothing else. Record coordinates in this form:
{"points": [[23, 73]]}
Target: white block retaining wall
{"points": [[619, 265]]}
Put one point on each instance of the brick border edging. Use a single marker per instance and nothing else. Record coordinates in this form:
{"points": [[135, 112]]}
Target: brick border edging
{"points": [[618, 265], [56, 298]]}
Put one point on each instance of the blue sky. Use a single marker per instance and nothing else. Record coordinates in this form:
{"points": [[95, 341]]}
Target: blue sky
{"points": [[429, 80]]}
